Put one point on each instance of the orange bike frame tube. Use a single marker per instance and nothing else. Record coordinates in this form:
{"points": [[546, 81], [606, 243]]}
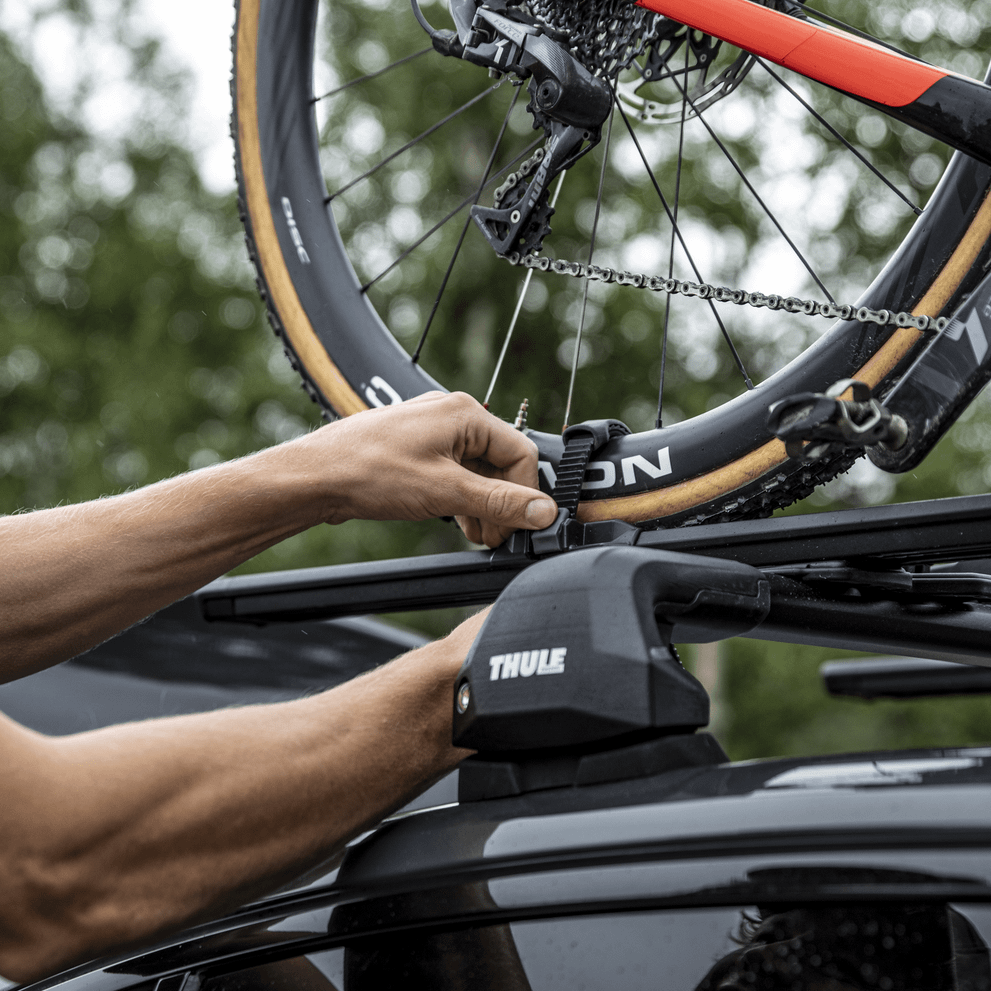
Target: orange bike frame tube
{"points": [[843, 61]]}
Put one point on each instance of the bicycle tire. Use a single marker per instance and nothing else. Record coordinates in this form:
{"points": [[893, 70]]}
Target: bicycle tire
{"points": [[717, 466]]}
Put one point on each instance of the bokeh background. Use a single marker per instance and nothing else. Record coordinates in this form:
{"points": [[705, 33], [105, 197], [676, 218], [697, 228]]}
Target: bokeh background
{"points": [[133, 345]]}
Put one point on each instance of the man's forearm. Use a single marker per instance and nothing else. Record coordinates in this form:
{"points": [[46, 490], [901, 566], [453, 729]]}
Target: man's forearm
{"points": [[75, 575], [132, 831]]}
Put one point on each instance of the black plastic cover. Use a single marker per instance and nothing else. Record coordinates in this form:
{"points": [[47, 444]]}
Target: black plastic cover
{"points": [[577, 648]]}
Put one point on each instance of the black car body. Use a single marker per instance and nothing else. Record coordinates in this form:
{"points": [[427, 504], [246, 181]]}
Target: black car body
{"points": [[859, 871]]}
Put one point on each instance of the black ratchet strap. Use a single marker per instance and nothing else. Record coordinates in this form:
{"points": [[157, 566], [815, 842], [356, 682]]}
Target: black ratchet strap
{"points": [[580, 442]]}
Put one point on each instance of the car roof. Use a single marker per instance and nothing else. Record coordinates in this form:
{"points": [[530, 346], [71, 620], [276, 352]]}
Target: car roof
{"points": [[747, 806], [913, 825]]}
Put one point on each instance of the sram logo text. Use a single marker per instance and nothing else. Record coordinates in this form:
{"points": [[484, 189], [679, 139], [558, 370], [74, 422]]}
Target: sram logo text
{"points": [[524, 663]]}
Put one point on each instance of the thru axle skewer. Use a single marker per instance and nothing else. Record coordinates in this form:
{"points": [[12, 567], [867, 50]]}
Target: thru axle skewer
{"points": [[815, 425]]}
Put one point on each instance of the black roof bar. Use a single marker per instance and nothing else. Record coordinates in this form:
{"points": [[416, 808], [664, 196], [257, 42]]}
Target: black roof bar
{"points": [[906, 533], [885, 618], [903, 678], [909, 533]]}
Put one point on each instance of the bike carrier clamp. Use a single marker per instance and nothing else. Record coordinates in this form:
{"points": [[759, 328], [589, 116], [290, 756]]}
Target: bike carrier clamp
{"points": [[814, 425], [581, 441], [953, 366]]}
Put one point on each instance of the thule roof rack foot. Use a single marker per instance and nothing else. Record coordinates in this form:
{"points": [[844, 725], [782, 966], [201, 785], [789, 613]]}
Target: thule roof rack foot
{"points": [[575, 660]]}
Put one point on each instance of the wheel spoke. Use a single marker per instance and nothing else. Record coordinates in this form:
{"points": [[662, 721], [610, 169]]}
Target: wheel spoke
{"points": [[836, 23], [669, 73], [753, 191], [409, 144], [659, 420], [519, 306], [440, 223], [684, 247], [591, 251], [467, 224], [839, 137], [372, 75]]}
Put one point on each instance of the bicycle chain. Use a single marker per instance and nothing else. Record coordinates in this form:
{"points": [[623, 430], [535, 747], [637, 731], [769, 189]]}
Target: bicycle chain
{"points": [[514, 178], [721, 294]]}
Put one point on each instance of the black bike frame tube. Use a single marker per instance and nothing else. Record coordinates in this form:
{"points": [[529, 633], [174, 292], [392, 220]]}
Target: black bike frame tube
{"points": [[954, 110], [942, 382]]}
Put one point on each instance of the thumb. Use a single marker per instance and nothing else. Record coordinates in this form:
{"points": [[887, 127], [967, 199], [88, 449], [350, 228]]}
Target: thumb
{"points": [[490, 509]]}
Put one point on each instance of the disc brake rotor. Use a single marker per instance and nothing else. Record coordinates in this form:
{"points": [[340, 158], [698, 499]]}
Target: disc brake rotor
{"points": [[655, 97]]}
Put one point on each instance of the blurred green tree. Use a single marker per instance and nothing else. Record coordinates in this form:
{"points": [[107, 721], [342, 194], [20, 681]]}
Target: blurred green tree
{"points": [[132, 341]]}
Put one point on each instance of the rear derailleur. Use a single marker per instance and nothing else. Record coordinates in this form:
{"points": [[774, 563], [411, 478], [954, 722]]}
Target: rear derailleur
{"points": [[566, 100]]}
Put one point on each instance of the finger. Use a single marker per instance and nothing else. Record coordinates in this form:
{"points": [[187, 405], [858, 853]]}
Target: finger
{"points": [[470, 527], [500, 507], [505, 448], [493, 535], [483, 532], [487, 440]]}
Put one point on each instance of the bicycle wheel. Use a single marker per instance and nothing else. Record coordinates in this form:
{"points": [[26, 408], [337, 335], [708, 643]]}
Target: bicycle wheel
{"points": [[320, 286]]}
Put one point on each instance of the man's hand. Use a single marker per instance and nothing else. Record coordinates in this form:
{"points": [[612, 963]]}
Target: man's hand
{"points": [[75, 575], [436, 455]]}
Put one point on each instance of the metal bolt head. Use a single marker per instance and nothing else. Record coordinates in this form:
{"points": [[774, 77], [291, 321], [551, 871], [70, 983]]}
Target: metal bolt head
{"points": [[514, 217], [464, 696], [548, 94]]}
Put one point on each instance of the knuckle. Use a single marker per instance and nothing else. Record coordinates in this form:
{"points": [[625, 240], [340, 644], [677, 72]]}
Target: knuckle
{"points": [[499, 503]]}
